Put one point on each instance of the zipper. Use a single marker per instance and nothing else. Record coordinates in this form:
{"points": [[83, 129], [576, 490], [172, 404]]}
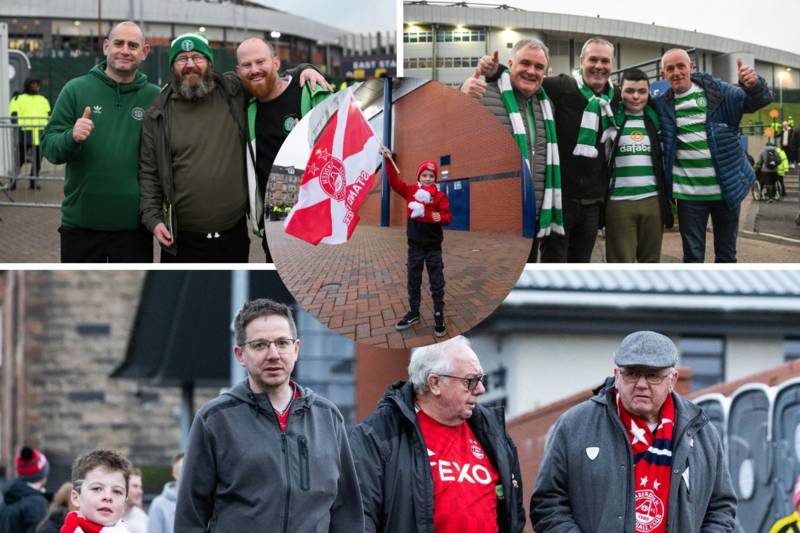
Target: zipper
{"points": [[284, 449], [302, 446]]}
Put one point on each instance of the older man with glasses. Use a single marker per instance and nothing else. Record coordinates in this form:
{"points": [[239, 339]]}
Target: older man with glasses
{"points": [[431, 458], [656, 451], [269, 454]]}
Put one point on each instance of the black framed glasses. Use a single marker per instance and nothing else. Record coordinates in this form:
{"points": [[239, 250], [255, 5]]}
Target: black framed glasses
{"points": [[652, 377], [470, 383], [283, 345], [197, 60]]}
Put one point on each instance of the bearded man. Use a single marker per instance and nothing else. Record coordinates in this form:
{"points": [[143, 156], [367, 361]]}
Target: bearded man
{"points": [[276, 105], [192, 162]]}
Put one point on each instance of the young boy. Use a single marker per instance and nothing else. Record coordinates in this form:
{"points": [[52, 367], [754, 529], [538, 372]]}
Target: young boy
{"points": [[428, 210], [638, 205], [100, 481]]}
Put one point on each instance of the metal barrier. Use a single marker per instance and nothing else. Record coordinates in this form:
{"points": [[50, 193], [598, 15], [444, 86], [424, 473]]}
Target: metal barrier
{"points": [[25, 177]]}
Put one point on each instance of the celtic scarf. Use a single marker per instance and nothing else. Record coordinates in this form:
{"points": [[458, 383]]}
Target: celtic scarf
{"points": [[598, 112], [551, 218], [652, 459]]}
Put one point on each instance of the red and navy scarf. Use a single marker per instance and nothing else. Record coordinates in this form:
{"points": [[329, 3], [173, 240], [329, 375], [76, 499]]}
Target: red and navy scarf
{"points": [[652, 460]]}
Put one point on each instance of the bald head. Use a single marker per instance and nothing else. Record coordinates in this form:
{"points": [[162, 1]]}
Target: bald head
{"points": [[676, 68], [125, 50], [254, 45], [257, 68], [126, 24]]}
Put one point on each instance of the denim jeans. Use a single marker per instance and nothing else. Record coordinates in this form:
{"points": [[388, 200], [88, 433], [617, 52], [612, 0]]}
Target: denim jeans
{"points": [[693, 219]]}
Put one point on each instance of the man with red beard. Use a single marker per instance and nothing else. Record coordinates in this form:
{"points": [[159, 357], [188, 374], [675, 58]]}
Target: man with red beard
{"points": [[192, 162], [635, 457], [276, 105]]}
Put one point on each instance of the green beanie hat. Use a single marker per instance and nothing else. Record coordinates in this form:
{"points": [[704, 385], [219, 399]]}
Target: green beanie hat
{"points": [[188, 42]]}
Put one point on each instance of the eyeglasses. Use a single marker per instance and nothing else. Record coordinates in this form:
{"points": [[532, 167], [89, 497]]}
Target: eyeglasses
{"points": [[470, 383], [262, 345], [653, 378], [197, 60]]}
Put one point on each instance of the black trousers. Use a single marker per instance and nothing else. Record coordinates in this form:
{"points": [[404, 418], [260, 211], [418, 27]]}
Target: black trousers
{"points": [[25, 143], [229, 246], [80, 245], [581, 223], [417, 260]]}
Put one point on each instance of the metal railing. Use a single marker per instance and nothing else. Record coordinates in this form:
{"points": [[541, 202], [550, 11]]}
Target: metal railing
{"points": [[26, 178]]}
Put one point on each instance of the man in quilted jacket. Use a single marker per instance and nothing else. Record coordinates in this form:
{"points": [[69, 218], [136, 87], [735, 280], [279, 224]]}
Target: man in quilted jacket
{"points": [[706, 168]]}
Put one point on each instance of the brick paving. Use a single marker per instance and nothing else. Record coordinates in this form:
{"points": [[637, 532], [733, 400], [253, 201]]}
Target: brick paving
{"points": [[30, 234], [358, 289]]}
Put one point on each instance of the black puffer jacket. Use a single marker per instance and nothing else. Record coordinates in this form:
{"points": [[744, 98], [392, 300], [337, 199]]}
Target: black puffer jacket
{"points": [[25, 507], [395, 474]]}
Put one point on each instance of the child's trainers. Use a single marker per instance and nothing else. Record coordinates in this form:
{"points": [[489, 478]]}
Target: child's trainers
{"points": [[407, 321], [440, 330]]}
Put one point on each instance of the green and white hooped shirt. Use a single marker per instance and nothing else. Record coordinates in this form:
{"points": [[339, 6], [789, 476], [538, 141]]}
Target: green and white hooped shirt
{"points": [[633, 175], [693, 175]]}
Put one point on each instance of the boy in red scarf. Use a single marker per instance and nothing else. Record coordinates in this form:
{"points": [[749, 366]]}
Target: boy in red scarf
{"points": [[100, 481], [428, 210]]}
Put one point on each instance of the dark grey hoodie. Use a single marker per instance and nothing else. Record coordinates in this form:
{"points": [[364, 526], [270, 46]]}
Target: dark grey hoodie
{"points": [[242, 474]]}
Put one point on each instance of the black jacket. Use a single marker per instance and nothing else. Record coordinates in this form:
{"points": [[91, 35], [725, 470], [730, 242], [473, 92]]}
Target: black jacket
{"points": [[395, 474], [25, 507], [581, 177], [664, 204]]}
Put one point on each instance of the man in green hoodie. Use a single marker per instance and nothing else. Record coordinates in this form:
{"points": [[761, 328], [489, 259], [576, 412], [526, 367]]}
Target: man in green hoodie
{"points": [[100, 212]]}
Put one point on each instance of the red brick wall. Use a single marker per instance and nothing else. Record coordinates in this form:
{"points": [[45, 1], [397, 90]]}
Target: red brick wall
{"points": [[437, 120], [376, 369]]}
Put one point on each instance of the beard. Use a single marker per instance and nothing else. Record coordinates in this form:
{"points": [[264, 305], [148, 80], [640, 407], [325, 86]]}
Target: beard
{"points": [[261, 89], [193, 90]]}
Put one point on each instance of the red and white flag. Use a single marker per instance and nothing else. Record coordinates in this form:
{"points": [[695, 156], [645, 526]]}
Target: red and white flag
{"points": [[337, 178]]}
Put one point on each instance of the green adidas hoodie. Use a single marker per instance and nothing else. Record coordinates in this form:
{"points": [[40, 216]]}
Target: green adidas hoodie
{"points": [[101, 190]]}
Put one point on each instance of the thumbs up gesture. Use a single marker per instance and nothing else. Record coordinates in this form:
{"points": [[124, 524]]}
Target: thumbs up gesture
{"points": [[489, 64], [747, 74], [474, 86], [83, 126]]}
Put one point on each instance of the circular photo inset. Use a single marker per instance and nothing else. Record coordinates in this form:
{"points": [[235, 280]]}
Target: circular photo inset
{"points": [[398, 213]]}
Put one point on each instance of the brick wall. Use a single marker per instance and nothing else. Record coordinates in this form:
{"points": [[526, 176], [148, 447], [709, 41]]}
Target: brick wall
{"points": [[437, 120], [77, 329]]}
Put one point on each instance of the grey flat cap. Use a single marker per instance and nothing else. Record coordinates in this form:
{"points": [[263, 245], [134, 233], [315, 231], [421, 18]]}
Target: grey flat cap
{"points": [[646, 348]]}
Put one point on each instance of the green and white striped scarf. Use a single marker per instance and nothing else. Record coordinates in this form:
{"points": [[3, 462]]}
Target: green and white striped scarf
{"points": [[551, 217], [598, 110]]}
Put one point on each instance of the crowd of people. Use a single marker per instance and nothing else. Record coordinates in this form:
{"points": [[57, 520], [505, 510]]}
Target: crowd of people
{"points": [[272, 451]]}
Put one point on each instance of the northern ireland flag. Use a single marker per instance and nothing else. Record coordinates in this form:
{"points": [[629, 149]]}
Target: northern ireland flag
{"points": [[337, 178]]}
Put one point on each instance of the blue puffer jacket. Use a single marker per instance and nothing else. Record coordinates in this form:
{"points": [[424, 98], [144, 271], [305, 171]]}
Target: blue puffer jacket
{"points": [[726, 103]]}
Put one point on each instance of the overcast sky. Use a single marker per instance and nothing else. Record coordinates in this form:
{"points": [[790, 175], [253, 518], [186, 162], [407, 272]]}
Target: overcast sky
{"points": [[771, 23], [357, 16]]}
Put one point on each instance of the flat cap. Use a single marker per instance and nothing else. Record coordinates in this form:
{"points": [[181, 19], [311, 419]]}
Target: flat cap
{"points": [[646, 348]]}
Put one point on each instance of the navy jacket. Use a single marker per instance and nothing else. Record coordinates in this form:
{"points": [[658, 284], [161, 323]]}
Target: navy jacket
{"points": [[726, 104]]}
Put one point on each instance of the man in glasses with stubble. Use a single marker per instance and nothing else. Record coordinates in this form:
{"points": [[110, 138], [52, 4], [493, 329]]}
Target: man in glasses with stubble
{"points": [[431, 458], [635, 457], [269, 454]]}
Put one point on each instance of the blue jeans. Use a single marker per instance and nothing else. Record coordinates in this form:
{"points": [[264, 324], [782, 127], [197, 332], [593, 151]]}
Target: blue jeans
{"points": [[693, 219]]}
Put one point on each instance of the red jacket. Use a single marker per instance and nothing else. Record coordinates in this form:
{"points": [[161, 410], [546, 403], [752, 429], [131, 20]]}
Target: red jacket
{"points": [[439, 203]]}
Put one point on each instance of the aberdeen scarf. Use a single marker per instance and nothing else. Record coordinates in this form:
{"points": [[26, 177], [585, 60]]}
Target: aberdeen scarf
{"points": [[551, 217], [652, 459], [75, 523], [598, 112]]}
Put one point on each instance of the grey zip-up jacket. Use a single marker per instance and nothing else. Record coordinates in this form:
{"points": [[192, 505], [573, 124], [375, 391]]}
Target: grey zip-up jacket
{"points": [[575, 493], [242, 474]]}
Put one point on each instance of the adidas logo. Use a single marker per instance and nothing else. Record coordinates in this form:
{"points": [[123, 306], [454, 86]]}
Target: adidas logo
{"points": [[98, 109]]}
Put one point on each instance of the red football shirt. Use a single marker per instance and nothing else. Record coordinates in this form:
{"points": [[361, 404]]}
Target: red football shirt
{"points": [[464, 480]]}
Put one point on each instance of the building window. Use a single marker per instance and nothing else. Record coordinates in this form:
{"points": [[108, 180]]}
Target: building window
{"points": [[791, 348], [706, 357], [444, 160]]}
